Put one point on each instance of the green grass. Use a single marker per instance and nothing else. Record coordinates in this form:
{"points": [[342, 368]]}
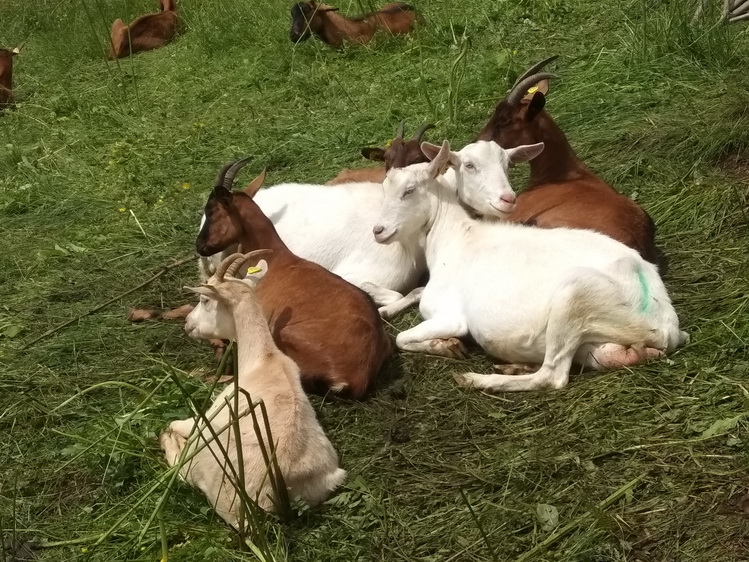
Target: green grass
{"points": [[104, 168]]}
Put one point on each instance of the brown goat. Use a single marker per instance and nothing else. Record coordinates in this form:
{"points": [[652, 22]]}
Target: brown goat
{"points": [[397, 154], [147, 32], [332, 28], [329, 327], [561, 191], [6, 76]]}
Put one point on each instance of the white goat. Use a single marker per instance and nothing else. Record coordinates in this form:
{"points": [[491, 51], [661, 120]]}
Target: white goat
{"points": [[525, 294], [331, 226], [307, 460]]}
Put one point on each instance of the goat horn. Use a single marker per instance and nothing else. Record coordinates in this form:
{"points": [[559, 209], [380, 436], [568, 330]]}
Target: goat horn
{"points": [[520, 89], [399, 133], [232, 171], [533, 69], [244, 260], [221, 173], [423, 129], [224, 265]]}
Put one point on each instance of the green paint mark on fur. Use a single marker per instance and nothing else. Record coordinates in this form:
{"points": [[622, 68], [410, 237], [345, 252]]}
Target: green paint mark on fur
{"points": [[645, 291]]}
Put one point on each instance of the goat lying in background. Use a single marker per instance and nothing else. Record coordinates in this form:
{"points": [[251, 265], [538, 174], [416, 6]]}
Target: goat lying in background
{"points": [[328, 326], [147, 32], [526, 295], [561, 191], [6, 76], [305, 457], [397, 154], [332, 28]]}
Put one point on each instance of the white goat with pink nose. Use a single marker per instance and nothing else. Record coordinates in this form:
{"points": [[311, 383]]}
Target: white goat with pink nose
{"points": [[526, 295]]}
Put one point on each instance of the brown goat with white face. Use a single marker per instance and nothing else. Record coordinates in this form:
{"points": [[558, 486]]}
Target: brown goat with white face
{"points": [[562, 192], [330, 328], [147, 32], [6, 76], [333, 28], [398, 154]]}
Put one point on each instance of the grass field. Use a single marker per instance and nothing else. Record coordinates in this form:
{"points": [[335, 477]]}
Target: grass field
{"points": [[105, 167]]}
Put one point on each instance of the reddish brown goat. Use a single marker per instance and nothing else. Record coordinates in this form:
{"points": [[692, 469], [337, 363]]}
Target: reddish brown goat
{"points": [[147, 32], [332, 28], [562, 192], [398, 154], [6, 76], [329, 327]]}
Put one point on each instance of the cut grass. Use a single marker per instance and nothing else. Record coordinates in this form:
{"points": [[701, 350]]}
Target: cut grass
{"points": [[104, 170]]}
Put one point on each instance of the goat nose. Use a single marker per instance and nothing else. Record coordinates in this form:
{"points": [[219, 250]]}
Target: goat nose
{"points": [[378, 229], [509, 198]]}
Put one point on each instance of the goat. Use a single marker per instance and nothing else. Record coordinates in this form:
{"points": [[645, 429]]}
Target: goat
{"points": [[330, 225], [524, 294], [332, 28], [6, 76], [328, 326], [305, 457], [561, 191], [147, 32], [398, 153]]}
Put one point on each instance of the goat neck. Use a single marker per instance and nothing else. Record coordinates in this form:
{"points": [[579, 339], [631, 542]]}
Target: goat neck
{"points": [[257, 230], [558, 162]]}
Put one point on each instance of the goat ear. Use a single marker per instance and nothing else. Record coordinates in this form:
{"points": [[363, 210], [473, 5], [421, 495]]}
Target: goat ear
{"points": [[525, 152], [373, 153], [536, 105], [257, 272], [439, 160], [205, 290], [254, 186]]}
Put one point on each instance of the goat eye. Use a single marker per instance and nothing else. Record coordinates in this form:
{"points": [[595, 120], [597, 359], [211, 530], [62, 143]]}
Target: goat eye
{"points": [[469, 166], [408, 192]]}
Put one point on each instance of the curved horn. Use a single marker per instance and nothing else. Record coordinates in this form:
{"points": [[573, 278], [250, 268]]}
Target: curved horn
{"points": [[224, 265], [244, 260], [399, 133], [232, 171], [533, 69], [520, 89], [423, 129], [221, 173]]}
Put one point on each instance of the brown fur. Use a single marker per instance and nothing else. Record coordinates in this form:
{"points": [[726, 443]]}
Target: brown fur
{"points": [[332, 28], [329, 327], [6, 77], [147, 32], [562, 192]]}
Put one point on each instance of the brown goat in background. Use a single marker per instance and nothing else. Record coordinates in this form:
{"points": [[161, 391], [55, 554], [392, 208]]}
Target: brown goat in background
{"points": [[332, 28], [6, 76], [562, 192], [147, 32], [398, 154]]}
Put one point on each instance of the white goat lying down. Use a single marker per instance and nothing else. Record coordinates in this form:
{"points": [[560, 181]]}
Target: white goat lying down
{"points": [[526, 295], [307, 460], [331, 226]]}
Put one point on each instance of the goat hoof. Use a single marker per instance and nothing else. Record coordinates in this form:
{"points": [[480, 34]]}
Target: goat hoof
{"points": [[463, 379], [449, 347], [515, 369]]}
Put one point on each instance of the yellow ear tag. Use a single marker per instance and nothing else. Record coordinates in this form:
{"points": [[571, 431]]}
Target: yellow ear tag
{"points": [[532, 90], [388, 143], [251, 270]]}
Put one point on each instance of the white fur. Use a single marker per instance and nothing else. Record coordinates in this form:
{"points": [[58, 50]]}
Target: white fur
{"points": [[306, 458], [525, 294], [331, 225]]}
